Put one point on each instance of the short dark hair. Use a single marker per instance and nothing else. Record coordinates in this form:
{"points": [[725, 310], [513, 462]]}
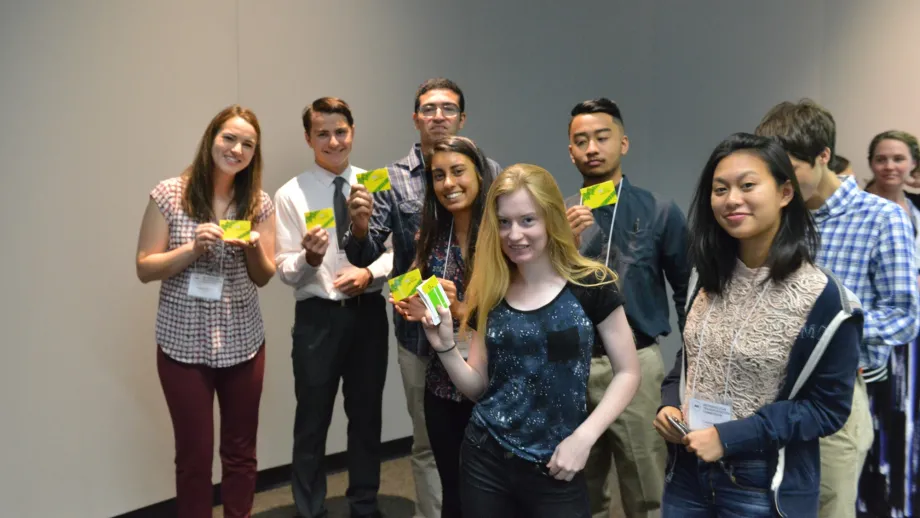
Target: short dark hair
{"points": [[804, 129], [714, 253], [439, 83], [599, 105], [326, 105], [838, 164]]}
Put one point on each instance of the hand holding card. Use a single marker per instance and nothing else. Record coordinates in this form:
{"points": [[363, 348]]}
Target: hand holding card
{"points": [[404, 286], [432, 294]]}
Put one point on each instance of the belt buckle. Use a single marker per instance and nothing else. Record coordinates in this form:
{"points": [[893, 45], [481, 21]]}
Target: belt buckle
{"points": [[342, 302]]}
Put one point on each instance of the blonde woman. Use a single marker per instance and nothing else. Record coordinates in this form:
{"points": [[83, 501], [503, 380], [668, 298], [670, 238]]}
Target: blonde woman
{"points": [[539, 307]]}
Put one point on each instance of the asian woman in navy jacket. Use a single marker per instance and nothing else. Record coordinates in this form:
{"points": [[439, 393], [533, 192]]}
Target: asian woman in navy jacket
{"points": [[770, 349]]}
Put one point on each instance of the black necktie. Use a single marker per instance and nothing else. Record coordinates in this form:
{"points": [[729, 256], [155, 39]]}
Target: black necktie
{"points": [[341, 211]]}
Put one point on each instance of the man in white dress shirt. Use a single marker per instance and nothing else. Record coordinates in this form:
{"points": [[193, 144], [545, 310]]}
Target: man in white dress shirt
{"points": [[340, 324]]}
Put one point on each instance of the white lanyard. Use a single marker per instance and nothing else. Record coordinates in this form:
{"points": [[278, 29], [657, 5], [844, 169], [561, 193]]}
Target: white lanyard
{"points": [[731, 350], [614, 218], [450, 238], [610, 233]]}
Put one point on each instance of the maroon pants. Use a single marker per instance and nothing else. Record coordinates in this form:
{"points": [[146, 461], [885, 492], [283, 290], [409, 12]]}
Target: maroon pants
{"points": [[189, 391]]}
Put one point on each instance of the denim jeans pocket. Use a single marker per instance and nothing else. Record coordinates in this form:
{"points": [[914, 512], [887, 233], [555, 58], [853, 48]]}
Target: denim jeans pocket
{"points": [[748, 474]]}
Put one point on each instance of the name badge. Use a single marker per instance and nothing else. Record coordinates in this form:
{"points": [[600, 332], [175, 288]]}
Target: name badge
{"points": [[204, 286], [704, 414]]}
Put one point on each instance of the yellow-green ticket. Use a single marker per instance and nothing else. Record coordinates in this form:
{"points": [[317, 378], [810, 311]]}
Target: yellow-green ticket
{"points": [[599, 195], [324, 218], [404, 285], [376, 180], [236, 229]]}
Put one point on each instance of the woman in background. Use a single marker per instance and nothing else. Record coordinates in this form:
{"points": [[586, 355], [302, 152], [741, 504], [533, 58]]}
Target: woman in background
{"points": [[209, 326], [888, 484]]}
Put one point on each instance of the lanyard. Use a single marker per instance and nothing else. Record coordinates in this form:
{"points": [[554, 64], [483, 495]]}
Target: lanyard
{"points": [[450, 238], [610, 232], [731, 350], [614, 218]]}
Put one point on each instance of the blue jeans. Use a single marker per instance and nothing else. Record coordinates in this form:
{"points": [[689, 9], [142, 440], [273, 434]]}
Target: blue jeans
{"points": [[494, 483], [739, 487]]}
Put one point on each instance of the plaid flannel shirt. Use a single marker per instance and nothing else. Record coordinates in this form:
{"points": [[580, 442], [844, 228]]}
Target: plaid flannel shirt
{"points": [[868, 243], [397, 212]]}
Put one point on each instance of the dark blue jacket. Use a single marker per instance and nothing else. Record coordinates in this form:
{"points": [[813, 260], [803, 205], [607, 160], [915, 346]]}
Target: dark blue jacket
{"points": [[814, 402], [649, 244]]}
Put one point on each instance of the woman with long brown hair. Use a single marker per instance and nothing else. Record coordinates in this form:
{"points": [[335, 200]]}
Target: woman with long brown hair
{"points": [[458, 179], [209, 326]]}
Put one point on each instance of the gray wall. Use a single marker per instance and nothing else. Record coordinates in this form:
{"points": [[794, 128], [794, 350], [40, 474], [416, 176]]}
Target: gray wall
{"points": [[103, 99]]}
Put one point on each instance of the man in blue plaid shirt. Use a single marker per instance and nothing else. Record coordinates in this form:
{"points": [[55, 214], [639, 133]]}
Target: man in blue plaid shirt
{"points": [[440, 112], [867, 242]]}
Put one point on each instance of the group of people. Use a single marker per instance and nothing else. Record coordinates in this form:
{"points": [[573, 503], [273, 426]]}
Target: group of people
{"points": [[542, 391]]}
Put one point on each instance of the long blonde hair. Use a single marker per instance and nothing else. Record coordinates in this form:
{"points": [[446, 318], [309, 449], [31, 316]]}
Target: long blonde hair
{"points": [[492, 271]]}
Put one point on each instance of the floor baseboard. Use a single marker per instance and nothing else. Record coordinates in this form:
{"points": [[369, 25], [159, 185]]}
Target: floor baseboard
{"points": [[272, 478]]}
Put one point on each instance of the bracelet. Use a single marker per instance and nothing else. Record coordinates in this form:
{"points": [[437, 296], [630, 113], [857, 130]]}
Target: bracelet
{"points": [[447, 350]]}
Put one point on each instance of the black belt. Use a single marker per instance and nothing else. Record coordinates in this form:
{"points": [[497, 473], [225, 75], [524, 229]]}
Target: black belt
{"points": [[642, 341], [352, 302]]}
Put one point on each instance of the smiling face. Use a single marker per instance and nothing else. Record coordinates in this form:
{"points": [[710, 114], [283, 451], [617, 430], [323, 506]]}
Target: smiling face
{"points": [[746, 200], [521, 227], [330, 138], [455, 180], [891, 163], [234, 146]]}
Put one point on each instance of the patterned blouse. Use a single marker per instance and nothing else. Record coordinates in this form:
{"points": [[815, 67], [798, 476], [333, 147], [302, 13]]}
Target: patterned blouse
{"points": [[216, 333], [437, 380]]}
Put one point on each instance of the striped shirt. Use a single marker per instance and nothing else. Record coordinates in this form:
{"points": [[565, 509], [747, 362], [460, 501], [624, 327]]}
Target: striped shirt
{"points": [[868, 243]]}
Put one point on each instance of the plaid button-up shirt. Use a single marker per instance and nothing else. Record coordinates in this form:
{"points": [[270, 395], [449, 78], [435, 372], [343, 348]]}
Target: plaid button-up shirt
{"points": [[398, 212], [868, 243]]}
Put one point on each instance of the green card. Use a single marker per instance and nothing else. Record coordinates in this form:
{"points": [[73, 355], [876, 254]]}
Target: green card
{"points": [[599, 195], [435, 293], [376, 180], [404, 286], [324, 218], [236, 229]]}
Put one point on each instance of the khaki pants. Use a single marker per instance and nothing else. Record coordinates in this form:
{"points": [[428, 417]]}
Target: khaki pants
{"points": [[424, 470], [631, 445], [842, 458]]}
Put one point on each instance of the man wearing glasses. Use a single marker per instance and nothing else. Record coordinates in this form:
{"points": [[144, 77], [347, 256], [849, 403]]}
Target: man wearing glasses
{"points": [[439, 113]]}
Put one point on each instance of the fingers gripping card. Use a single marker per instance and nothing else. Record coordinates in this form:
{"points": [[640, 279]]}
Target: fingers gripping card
{"points": [[236, 229], [376, 180], [404, 285], [599, 195], [434, 297], [324, 218]]}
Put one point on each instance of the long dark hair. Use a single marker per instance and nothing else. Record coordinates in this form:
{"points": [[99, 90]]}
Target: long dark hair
{"points": [[436, 220], [247, 184], [714, 253]]}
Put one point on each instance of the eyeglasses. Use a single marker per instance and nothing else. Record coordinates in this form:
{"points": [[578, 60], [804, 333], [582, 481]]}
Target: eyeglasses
{"points": [[447, 110]]}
